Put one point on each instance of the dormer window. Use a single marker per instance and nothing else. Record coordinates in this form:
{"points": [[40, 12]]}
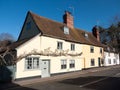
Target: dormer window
{"points": [[66, 30], [108, 49], [86, 35]]}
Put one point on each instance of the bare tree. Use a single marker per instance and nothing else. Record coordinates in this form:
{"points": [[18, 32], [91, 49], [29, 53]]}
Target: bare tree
{"points": [[111, 35], [6, 36], [6, 40]]}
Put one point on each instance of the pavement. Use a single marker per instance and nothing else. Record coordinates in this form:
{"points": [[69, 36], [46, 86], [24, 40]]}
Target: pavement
{"points": [[24, 82]]}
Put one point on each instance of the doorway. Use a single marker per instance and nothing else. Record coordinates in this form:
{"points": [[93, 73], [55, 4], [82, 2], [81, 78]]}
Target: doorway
{"points": [[99, 62], [45, 68]]}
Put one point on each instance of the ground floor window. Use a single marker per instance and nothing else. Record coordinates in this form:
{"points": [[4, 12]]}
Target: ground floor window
{"points": [[114, 61], [109, 61], [72, 63], [63, 64], [32, 63], [92, 62]]}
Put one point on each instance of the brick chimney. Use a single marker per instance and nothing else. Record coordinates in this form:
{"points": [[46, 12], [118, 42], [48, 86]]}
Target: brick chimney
{"points": [[68, 19], [95, 32]]}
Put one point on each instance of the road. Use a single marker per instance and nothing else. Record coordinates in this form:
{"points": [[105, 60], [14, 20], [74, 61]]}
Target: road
{"points": [[102, 80]]}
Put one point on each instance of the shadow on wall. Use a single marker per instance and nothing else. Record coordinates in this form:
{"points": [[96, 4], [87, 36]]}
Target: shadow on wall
{"points": [[6, 80]]}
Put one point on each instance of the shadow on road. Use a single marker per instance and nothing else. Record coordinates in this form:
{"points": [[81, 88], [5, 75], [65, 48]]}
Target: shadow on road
{"points": [[95, 82], [6, 80], [13, 86]]}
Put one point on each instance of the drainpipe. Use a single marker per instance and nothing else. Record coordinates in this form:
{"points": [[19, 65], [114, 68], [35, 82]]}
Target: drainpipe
{"points": [[84, 64]]}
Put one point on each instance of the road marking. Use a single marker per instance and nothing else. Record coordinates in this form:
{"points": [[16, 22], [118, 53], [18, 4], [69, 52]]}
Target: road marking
{"points": [[93, 82]]}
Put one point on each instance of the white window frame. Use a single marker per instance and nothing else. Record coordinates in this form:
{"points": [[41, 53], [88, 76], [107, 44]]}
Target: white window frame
{"points": [[109, 61], [32, 63], [91, 49], [63, 64], [72, 47], [72, 63], [66, 30], [114, 60]]}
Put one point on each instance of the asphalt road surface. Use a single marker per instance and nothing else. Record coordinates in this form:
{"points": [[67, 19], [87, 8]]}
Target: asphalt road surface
{"points": [[102, 80]]}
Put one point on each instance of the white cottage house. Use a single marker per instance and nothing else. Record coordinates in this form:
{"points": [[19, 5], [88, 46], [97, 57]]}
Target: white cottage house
{"points": [[46, 47], [111, 57]]}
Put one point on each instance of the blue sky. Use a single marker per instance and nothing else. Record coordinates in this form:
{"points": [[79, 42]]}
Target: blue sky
{"points": [[87, 13]]}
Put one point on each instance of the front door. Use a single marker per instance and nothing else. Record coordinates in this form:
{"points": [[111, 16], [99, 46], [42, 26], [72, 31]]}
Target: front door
{"points": [[99, 62], [45, 68]]}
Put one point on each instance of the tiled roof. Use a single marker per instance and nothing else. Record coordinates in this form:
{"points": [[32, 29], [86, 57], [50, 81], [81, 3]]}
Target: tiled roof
{"points": [[55, 29]]}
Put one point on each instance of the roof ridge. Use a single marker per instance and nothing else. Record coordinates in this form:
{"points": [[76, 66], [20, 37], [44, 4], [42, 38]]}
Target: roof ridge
{"points": [[45, 18]]}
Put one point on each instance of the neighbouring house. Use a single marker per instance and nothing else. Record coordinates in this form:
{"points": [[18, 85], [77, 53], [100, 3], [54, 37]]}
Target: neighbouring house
{"points": [[92, 49], [46, 47], [111, 57]]}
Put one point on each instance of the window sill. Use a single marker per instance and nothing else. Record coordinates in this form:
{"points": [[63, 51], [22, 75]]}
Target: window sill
{"points": [[31, 69], [72, 68], [63, 69]]}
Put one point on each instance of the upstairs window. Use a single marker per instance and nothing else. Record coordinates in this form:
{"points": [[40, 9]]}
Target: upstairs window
{"points": [[92, 49], [72, 47], [101, 50], [59, 45]]}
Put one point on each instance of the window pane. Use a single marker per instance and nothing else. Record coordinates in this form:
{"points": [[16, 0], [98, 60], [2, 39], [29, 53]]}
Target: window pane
{"points": [[59, 45], [35, 63], [92, 49], [63, 64], [72, 47], [29, 63], [32, 63], [114, 61], [72, 63], [109, 61]]}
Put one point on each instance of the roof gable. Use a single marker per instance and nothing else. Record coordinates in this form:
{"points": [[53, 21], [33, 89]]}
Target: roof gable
{"points": [[29, 28]]}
